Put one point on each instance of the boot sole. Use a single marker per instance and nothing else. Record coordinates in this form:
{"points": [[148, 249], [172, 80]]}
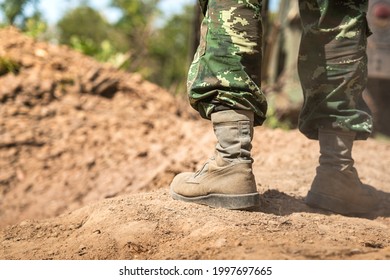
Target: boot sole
{"points": [[334, 204], [232, 202]]}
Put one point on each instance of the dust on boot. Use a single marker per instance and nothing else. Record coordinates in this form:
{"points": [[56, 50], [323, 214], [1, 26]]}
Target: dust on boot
{"points": [[226, 180], [336, 186]]}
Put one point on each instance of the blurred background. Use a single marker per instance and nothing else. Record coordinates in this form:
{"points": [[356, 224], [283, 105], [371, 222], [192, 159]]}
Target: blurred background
{"points": [[157, 39]]}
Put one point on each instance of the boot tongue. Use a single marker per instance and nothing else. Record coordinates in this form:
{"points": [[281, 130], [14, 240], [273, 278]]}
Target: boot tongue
{"points": [[203, 169], [212, 163]]}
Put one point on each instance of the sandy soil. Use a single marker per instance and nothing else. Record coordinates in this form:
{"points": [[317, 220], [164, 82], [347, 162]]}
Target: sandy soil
{"points": [[87, 154]]}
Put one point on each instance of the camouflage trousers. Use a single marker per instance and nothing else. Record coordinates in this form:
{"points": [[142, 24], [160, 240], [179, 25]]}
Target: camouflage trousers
{"points": [[332, 63]]}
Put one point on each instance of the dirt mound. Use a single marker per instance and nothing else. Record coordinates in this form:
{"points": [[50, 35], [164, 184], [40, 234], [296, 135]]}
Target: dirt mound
{"points": [[152, 226], [74, 131], [87, 154]]}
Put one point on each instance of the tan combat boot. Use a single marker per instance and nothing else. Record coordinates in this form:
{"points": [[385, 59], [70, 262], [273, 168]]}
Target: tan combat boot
{"points": [[226, 180], [336, 186]]}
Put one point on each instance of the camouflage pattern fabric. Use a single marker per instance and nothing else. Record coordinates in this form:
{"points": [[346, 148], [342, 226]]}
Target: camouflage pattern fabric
{"points": [[225, 72], [332, 66]]}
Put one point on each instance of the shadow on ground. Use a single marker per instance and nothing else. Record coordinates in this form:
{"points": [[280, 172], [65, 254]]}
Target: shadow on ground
{"points": [[281, 204]]}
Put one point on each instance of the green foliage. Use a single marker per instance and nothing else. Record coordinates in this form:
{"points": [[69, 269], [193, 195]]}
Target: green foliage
{"points": [[87, 24], [103, 51], [169, 49], [136, 23], [35, 27], [14, 14], [273, 120], [85, 30], [136, 14], [86, 46], [14, 9], [134, 42], [8, 65]]}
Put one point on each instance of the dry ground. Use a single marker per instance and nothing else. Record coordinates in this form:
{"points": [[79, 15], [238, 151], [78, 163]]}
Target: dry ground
{"points": [[87, 155]]}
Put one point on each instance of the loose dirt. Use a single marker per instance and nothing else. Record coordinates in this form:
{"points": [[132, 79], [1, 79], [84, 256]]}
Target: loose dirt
{"points": [[87, 154]]}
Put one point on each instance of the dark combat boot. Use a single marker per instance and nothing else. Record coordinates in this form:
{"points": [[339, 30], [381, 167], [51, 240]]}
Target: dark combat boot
{"points": [[336, 186]]}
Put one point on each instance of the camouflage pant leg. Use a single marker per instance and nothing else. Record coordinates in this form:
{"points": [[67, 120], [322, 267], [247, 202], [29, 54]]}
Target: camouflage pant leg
{"points": [[225, 72], [332, 66]]}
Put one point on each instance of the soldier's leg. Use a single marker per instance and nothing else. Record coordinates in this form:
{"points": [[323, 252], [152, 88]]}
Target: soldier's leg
{"points": [[332, 66], [224, 86], [332, 69], [226, 72]]}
